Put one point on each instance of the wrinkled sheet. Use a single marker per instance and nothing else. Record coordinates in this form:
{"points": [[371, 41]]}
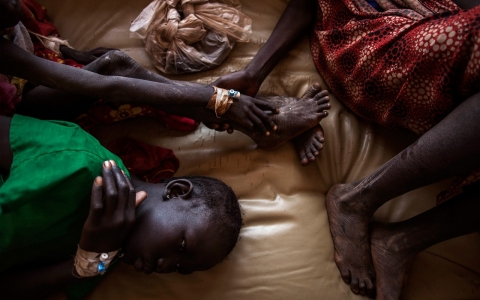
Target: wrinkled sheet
{"points": [[285, 249]]}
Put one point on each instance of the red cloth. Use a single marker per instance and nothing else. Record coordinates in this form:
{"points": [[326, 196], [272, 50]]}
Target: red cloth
{"points": [[406, 67], [151, 163], [8, 96], [34, 18], [146, 161], [403, 68]]}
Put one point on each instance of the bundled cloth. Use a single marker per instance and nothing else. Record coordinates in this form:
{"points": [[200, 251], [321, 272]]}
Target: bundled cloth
{"points": [[183, 36]]}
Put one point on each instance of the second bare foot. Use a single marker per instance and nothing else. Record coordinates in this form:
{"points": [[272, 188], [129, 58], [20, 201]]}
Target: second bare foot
{"points": [[309, 144], [390, 262], [349, 221]]}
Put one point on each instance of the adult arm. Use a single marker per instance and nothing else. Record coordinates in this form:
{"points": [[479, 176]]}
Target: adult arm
{"points": [[291, 27], [249, 112], [467, 4]]}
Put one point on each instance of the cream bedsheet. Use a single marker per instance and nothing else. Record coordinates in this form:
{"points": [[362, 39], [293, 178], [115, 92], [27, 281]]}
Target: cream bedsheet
{"points": [[285, 249]]}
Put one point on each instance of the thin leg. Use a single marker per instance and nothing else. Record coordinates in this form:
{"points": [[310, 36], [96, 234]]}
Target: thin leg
{"points": [[451, 147], [394, 245]]}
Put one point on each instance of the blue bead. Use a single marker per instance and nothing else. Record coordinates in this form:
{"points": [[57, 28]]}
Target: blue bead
{"points": [[101, 267], [232, 93]]}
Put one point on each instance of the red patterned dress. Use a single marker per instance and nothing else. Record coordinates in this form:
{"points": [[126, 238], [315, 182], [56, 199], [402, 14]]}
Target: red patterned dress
{"points": [[406, 67]]}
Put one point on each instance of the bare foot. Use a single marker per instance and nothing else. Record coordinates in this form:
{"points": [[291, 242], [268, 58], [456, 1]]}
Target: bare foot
{"points": [[294, 117], [349, 218], [309, 144], [390, 262]]}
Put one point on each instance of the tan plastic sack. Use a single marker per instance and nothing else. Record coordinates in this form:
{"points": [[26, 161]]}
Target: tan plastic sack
{"points": [[190, 35]]}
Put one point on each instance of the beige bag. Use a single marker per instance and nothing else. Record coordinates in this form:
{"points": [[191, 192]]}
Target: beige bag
{"points": [[183, 36]]}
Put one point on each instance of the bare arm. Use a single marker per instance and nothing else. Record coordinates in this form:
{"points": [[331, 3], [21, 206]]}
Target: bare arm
{"points": [[114, 88], [291, 27], [467, 4], [249, 112]]}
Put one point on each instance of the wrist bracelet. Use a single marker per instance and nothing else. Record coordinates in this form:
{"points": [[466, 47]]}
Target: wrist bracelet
{"points": [[221, 100], [88, 264]]}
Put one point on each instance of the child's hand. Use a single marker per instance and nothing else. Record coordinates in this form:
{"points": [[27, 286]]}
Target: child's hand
{"points": [[251, 114], [112, 211]]}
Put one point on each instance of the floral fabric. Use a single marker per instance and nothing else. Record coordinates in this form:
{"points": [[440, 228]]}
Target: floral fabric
{"points": [[406, 67]]}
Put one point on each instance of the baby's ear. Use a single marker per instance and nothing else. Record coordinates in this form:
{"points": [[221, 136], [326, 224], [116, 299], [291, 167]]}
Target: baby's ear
{"points": [[178, 188]]}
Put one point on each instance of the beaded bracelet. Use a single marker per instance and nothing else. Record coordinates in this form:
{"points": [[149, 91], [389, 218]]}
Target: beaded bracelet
{"points": [[221, 100]]}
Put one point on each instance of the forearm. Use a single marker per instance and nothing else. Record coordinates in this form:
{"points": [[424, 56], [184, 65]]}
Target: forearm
{"points": [[37, 283], [467, 4], [17, 62], [292, 26]]}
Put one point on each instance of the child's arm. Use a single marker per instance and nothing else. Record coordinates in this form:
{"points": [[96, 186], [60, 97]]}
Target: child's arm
{"points": [[15, 61], [292, 26]]}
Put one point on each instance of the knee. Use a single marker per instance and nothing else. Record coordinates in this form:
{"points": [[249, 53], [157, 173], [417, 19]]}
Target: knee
{"points": [[114, 62]]}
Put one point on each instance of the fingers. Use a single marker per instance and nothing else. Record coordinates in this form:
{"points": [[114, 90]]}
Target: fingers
{"points": [[120, 196], [131, 203], [139, 197], [258, 124], [96, 201], [265, 106], [262, 121], [110, 189], [125, 190]]}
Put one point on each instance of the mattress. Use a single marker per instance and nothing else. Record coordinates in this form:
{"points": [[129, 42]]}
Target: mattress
{"points": [[285, 250]]}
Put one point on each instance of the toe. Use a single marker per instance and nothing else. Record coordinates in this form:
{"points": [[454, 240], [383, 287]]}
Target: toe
{"points": [[303, 157], [317, 144], [345, 273], [354, 285], [362, 288], [314, 150], [310, 155], [370, 287]]}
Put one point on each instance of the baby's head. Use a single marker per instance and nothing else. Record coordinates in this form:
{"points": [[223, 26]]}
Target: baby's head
{"points": [[10, 13], [190, 224]]}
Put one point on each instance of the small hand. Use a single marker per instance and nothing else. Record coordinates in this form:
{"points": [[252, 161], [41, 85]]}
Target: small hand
{"points": [[251, 114], [83, 57], [241, 81], [112, 210]]}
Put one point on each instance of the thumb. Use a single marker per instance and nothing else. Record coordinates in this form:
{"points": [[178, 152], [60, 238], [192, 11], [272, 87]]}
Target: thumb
{"points": [[142, 195]]}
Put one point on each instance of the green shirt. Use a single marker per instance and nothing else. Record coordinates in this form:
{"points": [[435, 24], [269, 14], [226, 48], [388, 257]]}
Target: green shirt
{"points": [[44, 202]]}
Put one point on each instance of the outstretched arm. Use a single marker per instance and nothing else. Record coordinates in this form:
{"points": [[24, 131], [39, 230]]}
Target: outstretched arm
{"points": [[15, 61], [292, 26]]}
